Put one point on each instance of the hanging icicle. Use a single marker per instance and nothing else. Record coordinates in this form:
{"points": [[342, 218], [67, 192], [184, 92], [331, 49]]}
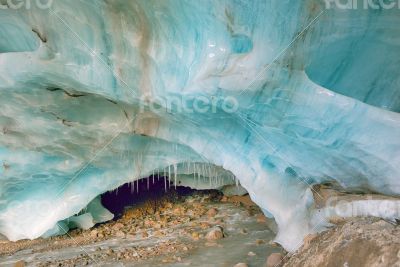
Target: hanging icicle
{"points": [[175, 174], [165, 181], [169, 176]]}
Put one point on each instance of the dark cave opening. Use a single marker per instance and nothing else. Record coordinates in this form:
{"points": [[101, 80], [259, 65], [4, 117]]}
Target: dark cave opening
{"points": [[153, 188]]}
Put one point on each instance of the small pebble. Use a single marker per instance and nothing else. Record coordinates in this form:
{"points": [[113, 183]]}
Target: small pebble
{"points": [[259, 241], [20, 263], [215, 234], [212, 212], [109, 251], [195, 235], [275, 259], [261, 218], [118, 226]]}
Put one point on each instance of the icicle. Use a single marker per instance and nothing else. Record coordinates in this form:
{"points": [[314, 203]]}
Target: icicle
{"points": [[211, 174], [194, 171], [202, 177], [148, 185], [153, 176], [137, 186], [169, 176], [207, 169], [165, 181], [175, 174], [196, 178], [210, 180]]}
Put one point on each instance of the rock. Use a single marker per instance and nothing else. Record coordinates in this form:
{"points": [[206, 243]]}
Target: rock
{"points": [[336, 219], [178, 211], [118, 226], [109, 251], [241, 265], [233, 190], [215, 234], [274, 260], [20, 263], [260, 241], [261, 218], [308, 239], [204, 225], [120, 234], [93, 233], [212, 212], [357, 242], [195, 235], [251, 254]]}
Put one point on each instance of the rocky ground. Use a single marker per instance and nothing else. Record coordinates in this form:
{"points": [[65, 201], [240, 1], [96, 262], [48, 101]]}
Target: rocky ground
{"points": [[358, 241], [203, 229], [207, 229], [355, 242]]}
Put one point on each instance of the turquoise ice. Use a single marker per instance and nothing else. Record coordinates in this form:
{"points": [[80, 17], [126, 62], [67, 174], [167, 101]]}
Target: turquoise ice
{"points": [[301, 95]]}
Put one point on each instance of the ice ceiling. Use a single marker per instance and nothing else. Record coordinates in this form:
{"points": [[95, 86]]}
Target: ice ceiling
{"points": [[313, 97]]}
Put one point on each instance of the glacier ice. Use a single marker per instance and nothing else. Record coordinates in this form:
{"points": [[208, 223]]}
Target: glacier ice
{"points": [[84, 86]]}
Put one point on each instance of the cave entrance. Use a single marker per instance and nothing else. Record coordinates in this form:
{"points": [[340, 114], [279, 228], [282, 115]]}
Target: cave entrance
{"points": [[152, 189]]}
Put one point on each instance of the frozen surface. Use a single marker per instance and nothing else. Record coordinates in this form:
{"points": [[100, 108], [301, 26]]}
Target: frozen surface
{"points": [[84, 85]]}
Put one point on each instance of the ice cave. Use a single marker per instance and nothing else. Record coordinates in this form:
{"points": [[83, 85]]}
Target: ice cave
{"points": [[271, 97]]}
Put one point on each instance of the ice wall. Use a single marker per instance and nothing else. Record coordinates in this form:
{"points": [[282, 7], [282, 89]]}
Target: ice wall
{"points": [[300, 95]]}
